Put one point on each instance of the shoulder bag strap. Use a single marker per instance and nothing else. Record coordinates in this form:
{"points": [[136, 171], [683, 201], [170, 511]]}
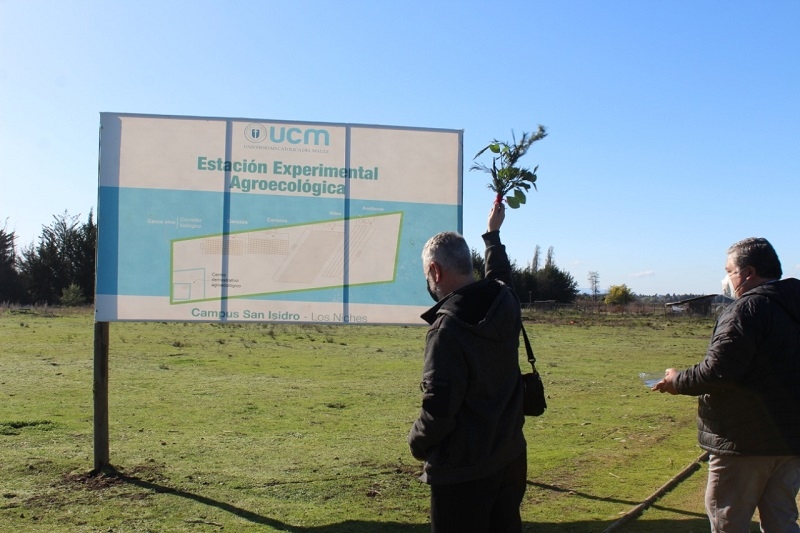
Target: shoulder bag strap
{"points": [[528, 349]]}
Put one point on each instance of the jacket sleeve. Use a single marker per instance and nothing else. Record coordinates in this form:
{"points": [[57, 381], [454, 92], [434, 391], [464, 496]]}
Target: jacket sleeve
{"points": [[497, 264], [444, 379], [730, 354]]}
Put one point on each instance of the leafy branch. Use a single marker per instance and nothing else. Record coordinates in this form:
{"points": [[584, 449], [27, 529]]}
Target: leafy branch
{"points": [[509, 177]]}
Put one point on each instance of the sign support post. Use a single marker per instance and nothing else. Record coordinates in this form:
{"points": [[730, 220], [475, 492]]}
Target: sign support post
{"points": [[101, 453]]}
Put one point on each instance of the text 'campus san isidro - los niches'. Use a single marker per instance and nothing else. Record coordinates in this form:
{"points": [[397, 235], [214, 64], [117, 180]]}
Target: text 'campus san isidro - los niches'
{"points": [[302, 179]]}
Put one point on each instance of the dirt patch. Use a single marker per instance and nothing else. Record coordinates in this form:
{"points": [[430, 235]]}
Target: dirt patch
{"points": [[125, 483], [91, 481]]}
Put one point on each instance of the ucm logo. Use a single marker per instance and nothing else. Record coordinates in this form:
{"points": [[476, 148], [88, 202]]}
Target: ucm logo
{"points": [[257, 133]]}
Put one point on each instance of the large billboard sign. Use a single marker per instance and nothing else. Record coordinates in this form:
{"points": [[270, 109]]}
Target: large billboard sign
{"points": [[236, 220]]}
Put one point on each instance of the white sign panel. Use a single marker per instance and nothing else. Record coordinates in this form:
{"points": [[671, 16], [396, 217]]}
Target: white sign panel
{"points": [[220, 219]]}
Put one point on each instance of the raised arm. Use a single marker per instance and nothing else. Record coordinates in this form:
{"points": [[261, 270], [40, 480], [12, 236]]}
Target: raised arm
{"points": [[497, 264]]}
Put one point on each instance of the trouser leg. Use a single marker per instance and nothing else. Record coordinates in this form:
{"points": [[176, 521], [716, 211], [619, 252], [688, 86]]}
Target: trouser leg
{"points": [[505, 513], [481, 506], [778, 505], [732, 493], [459, 507]]}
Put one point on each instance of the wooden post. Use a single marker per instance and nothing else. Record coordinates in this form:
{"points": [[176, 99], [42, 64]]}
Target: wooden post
{"points": [[671, 484], [101, 455]]}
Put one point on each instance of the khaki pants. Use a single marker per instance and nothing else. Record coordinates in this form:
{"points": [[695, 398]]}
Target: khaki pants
{"points": [[738, 485]]}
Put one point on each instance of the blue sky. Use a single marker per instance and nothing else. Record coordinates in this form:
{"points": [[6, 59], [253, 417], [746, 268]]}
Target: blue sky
{"points": [[674, 126]]}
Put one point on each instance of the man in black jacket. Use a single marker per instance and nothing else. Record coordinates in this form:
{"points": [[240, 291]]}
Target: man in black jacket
{"points": [[469, 431], [749, 396]]}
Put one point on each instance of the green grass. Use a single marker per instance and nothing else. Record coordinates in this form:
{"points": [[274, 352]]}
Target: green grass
{"points": [[303, 427]]}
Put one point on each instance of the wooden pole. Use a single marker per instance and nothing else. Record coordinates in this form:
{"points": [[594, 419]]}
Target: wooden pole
{"points": [[101, 455], [639, 509]]}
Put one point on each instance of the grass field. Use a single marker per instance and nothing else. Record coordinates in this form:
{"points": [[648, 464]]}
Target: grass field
{"points": [[247, 427]]}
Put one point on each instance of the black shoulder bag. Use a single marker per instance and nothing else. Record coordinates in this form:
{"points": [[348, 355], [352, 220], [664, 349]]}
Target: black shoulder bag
{"points": [[535, 403]]}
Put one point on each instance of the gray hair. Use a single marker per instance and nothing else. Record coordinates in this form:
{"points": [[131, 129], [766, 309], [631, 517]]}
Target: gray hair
{"points": [[758, 253], [450, 250]]}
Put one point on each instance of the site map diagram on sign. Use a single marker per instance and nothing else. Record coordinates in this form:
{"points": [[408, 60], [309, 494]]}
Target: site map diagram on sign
{"points": [[292, 258], [216, 219]]}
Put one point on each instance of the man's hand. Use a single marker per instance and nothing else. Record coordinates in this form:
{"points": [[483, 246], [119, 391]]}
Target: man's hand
{"points": [[496, 216], [668, 383]]}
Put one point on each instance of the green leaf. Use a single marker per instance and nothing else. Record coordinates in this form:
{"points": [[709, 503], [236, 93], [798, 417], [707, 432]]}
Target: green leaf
{"points": [[494, 147], [519, 196]]}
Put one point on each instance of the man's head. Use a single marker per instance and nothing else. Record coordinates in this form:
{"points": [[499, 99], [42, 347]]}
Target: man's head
{"points": [[446, 263], [751, 262]]}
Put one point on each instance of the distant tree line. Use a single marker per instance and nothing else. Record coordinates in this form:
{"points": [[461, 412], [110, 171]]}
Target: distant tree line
{"points": [[58, 270], [534, 283]]}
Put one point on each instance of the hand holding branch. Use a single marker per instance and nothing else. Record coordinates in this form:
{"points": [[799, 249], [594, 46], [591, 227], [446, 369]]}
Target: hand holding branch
{"points": [[496, 216]]}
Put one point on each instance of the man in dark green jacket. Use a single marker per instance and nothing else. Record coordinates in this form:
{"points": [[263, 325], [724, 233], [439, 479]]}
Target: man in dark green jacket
{"points": [[469, 431], [748, 386]]}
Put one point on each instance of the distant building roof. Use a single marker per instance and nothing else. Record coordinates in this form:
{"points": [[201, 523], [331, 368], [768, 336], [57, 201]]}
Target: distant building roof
{"points": [[701, 305], [690, 300]]}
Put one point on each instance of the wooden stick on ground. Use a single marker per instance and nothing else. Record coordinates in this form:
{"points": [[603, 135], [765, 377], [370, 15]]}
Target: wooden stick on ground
{"points": [[668, 486]]}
